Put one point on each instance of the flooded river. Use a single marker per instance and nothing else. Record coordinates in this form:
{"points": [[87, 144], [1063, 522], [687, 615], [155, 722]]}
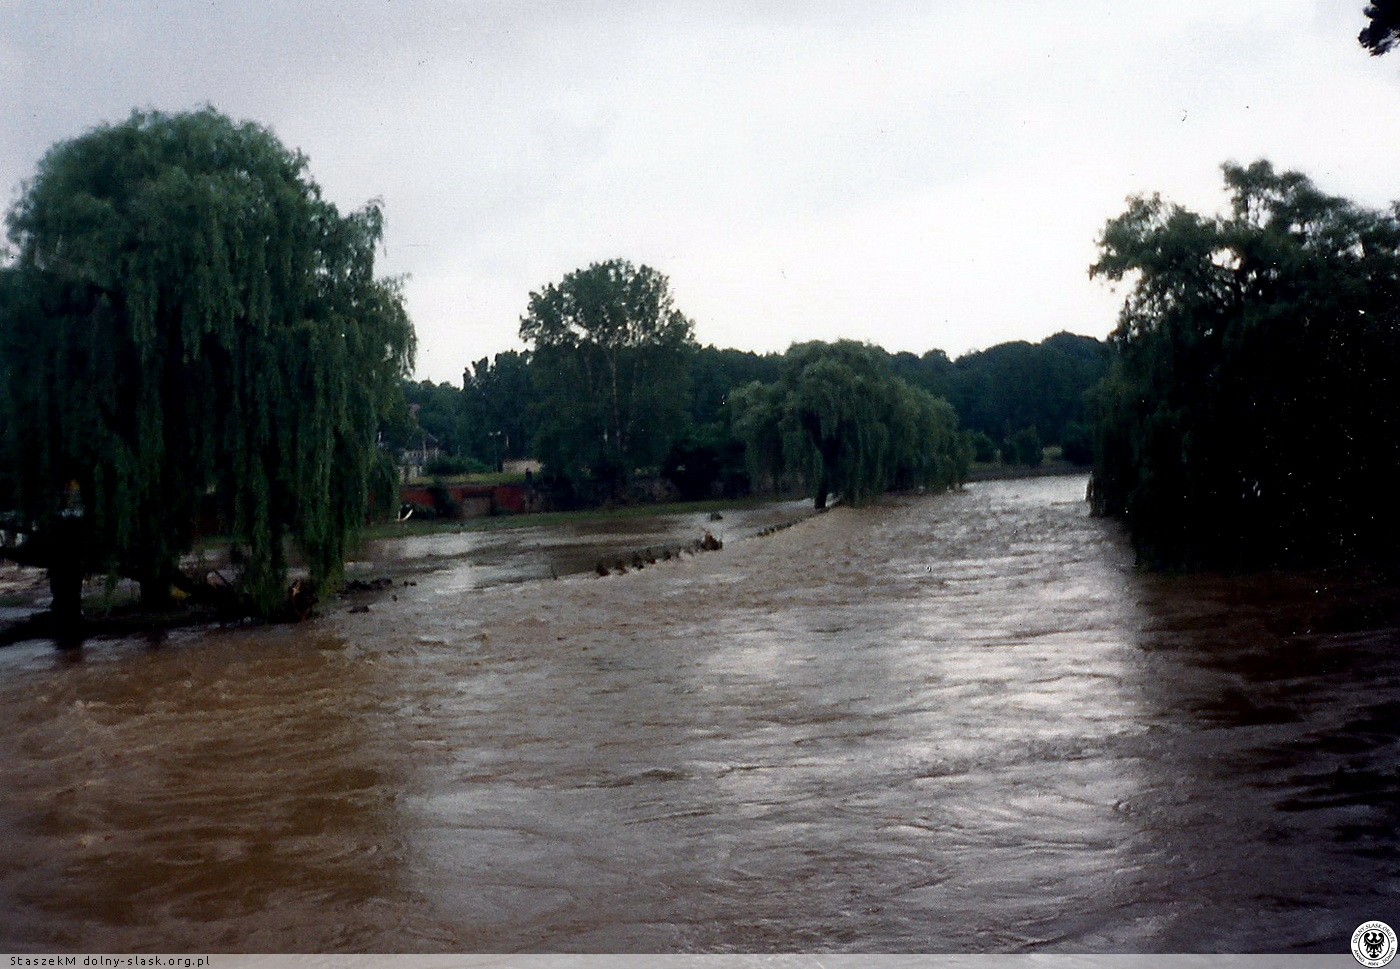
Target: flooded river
{"points": [[948, 723]]}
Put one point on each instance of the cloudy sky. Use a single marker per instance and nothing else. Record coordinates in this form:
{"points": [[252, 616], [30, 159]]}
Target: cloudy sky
{"points": [[914, 174]]}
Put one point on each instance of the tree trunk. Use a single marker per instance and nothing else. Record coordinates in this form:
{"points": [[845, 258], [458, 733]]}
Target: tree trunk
{"points": [[155, 592], [66, 585], [64, 548]]}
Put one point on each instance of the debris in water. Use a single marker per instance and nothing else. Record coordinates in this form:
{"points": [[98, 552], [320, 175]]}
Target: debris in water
{"points": [[368, 585]]}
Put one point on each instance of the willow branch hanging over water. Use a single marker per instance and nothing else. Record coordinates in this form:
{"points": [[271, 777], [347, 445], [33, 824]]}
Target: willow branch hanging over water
{"points": [[188, 326]]}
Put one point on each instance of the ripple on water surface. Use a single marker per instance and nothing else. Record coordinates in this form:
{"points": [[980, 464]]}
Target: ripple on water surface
{"points": [[956, 722]]}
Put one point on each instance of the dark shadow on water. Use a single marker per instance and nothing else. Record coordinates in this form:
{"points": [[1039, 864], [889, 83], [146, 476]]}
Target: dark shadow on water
{"points": [[1273, 800]]}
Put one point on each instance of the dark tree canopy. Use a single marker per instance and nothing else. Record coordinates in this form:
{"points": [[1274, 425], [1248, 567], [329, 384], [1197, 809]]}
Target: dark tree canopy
{"points": [[1013, 387], [715, 373], [1249, 419], [502, 411], [438, 417], [610, 356], [187, 320], [491, 417], [1382, 31]]}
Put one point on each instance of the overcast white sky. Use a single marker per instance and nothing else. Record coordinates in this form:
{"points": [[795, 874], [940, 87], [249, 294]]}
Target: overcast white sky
{"points": [[914, 174]]}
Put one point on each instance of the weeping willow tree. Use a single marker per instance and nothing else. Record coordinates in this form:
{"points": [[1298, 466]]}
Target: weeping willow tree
{"points": [[844, 424], [186, 325]]}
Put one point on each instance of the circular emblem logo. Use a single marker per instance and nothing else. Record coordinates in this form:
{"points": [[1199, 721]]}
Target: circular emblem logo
{"points": [[1373, 944]]}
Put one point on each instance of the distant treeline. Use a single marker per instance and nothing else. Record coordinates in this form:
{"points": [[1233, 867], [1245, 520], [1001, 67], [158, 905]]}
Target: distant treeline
{"points": [[726, 421]]}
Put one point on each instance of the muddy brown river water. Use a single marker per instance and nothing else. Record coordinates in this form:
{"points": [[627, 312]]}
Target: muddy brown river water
{"points": [[948, 723]]}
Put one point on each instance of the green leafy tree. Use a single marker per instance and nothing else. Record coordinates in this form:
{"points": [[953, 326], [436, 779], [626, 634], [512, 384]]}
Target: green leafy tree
{"points": [[1018, 384], [716, 373], [844, 424], [1013, 385], [1025, 448], [502, 407], [1078, 443], [610, 357], [984, 449], [186, 319], [398, 427], [1246, 420], [932, 371], [441, 418], [756, 418], [926, 448], [834, 399]]}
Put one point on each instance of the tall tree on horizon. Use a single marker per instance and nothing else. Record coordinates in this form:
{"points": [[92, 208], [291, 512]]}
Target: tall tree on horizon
{"points": [[610, 356]]}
